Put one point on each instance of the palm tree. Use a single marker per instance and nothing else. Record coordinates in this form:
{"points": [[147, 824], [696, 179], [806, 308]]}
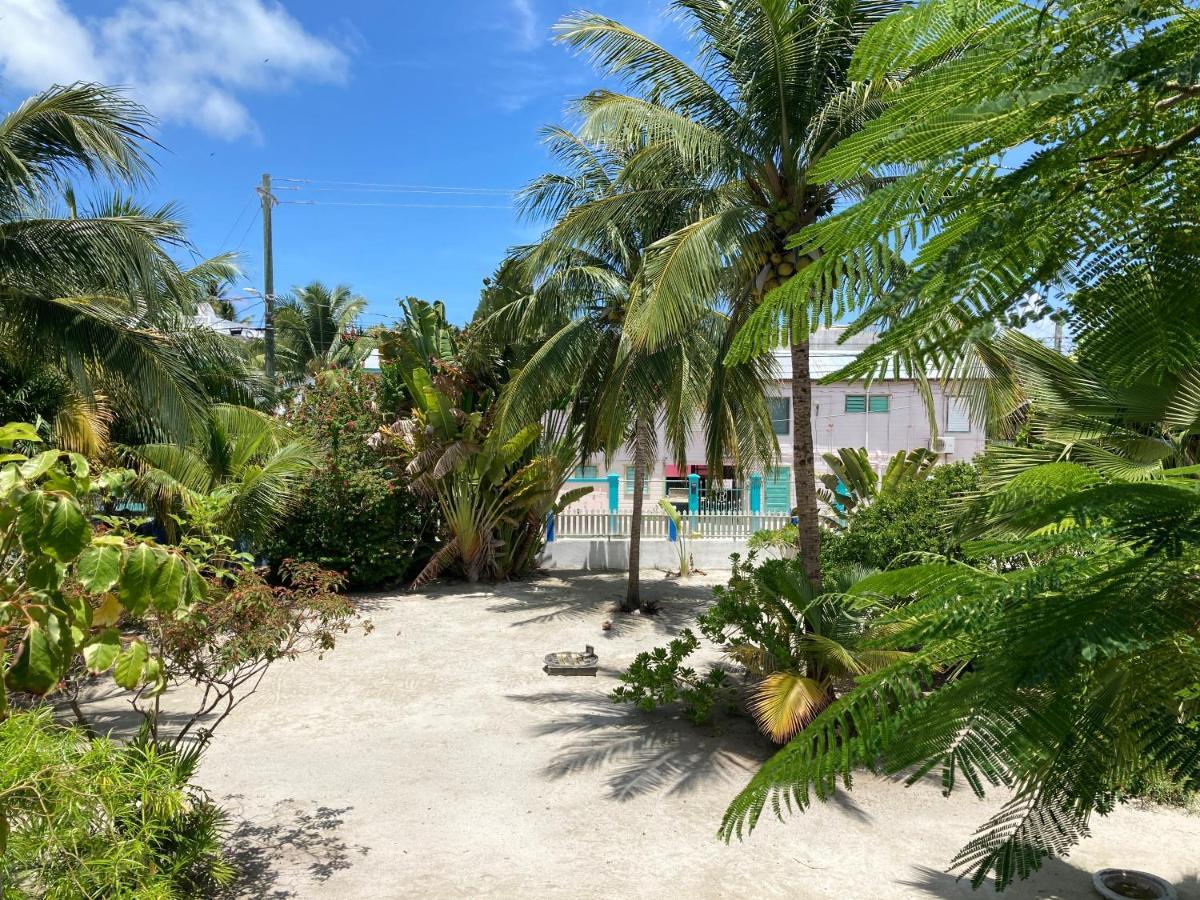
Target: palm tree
{"points": [[247, 469], [585, 275], [316, 326], [770, 98], [88, 295]]}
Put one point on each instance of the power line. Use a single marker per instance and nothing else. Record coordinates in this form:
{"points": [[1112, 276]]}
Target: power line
{"points": [[237, 221], [398, 205], [401, 187]]}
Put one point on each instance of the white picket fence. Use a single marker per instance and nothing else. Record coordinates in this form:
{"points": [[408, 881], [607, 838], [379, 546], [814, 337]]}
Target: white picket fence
{"points": [[589, 523]]}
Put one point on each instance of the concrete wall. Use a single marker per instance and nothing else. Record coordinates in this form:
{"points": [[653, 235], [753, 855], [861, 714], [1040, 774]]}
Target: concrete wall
{"points": [[612, 554]]}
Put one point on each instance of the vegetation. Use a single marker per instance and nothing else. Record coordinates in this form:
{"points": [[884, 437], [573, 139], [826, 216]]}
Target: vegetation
{"points": [[853, 481], [586, 276], [795, 647], [749, 125], [88, 818], [317, 329], [359, 517], [1100, 543]]}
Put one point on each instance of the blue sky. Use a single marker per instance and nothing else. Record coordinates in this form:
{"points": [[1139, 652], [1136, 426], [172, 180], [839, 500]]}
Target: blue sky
{"points": [[443, 94]]}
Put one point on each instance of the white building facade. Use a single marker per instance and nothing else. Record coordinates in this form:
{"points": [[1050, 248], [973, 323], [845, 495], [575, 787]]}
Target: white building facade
{"points": [[888, 416]]}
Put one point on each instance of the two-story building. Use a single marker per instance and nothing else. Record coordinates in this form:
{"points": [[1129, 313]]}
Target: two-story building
{"points": [[888, 416]]}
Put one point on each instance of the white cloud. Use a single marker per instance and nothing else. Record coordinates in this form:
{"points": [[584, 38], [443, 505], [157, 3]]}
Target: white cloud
{"points": [[188, 61], [525, 24]]}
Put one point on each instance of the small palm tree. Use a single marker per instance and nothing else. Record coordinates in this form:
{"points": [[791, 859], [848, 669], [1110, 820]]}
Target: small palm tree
{"points": [[253, 469], [317, 328], [802, 646], [771, 97]]}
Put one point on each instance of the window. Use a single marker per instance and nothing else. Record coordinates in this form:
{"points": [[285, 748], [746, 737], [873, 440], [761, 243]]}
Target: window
{"points": [[780, 409], [958, 417], [586, 472], [880, 403], [629, 482], [856, 403]]}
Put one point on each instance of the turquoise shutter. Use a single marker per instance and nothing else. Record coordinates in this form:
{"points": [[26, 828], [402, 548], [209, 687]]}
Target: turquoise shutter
{"points": [[777, 487]]}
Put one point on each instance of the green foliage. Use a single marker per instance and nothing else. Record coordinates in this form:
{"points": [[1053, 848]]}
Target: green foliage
{"points": [[659, 677], [914, 517], [794, 646], [94, 297], [852, 480], [65, 586], [358, 516], [316, 329], [89, 819]]}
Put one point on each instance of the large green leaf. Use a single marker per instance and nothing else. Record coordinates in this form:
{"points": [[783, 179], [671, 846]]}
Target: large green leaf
{"points": [[131, 665], [169, 584], [40, 666], [66, 532], [137, 578], [101, 652], [99, 567]]}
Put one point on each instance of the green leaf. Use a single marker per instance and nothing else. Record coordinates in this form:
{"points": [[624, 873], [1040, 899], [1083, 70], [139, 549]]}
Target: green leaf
{"points": [[154, 676], [197, 589], [12, 432], [40, 665], [66, 532], [102, 651], [169, 584], [137, 579], [130, 665], [39, 465], [98, 568], [31, 519]]}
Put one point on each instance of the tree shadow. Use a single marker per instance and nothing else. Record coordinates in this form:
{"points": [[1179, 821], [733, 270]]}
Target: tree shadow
{"points": [[1056, 878], [644, 753], [674, 604], [294, 843]]}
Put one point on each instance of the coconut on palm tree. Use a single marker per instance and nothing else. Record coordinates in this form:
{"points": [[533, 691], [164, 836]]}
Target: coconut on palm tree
{"points": [[585, 275], [769, 97]]}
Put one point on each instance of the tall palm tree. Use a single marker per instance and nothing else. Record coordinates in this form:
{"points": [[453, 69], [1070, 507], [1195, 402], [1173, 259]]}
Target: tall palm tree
{"points": [[585, 275], [770, 97], [87, 295], [316, 326]]}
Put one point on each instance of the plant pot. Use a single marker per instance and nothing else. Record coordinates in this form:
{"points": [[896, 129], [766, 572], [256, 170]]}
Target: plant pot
{"points": [[1129, 884]]}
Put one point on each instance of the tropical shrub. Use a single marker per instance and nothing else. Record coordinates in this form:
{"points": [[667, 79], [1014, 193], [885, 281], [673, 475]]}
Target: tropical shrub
{"points": [[852, 481], [90, 819], [357, 515], [66, 586], [913, 517], [796, 648], [240, 629]]}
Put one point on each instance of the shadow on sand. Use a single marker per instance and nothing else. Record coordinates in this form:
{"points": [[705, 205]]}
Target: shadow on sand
{"points": [[651, 752], [547, 600], [292, 842], [1056, 878]]}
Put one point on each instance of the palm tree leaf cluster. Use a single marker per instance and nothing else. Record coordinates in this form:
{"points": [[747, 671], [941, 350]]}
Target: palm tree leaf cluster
{"points": [[96, 295], [852, 480]]}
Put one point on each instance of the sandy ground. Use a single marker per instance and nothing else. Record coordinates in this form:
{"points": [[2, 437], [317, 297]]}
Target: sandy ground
{"points": [[434, 758]]}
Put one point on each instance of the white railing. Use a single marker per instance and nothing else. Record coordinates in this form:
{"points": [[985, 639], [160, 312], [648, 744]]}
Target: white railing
{"points": [[655, 526]]}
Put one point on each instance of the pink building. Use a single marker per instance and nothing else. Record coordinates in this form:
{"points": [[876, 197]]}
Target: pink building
{"points": [[887, 417]]}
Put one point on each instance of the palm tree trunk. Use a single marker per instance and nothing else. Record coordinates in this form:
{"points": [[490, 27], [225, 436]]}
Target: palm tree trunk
{"points": [[633, 596], [804, 467]]}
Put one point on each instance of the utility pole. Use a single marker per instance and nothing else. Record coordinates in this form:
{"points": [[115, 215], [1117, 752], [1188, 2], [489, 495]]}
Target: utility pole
{"points": [[268, 277], [1058, 335]]}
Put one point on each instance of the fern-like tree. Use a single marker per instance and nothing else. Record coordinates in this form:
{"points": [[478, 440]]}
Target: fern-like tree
{"points": [[770, 97], [317, 327], [1074, 655], [586, 275]]}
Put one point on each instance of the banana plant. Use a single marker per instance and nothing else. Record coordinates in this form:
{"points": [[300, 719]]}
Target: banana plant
{"points": [[682, 536], [852, 481]]}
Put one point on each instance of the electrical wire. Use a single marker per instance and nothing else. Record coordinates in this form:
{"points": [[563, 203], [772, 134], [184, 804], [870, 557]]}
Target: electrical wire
{"points": [[397, 205], [398, 187]]}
